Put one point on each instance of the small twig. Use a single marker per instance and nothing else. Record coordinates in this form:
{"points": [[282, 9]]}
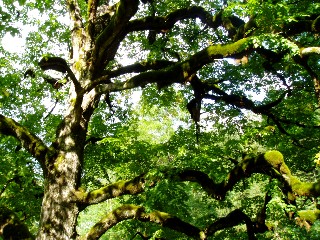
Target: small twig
{"points": [[54, 106]]}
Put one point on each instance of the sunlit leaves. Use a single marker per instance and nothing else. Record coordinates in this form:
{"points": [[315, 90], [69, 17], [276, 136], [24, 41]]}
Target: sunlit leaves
{"points": [[20, 182], [276, 43]]}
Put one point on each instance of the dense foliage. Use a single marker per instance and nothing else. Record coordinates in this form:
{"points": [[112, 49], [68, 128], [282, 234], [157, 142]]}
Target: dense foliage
{"points": [[187, 119]]}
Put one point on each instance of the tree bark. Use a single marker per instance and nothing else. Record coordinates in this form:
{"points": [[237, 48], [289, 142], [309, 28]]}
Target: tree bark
{"points": [[59, 212]]}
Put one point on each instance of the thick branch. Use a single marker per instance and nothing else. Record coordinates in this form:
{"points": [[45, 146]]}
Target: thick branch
{"points": [[179, 72], [137, 212], [235, 26], [303, 25], [167, 22], [309, 51], [140, 67], [126, 212], [113, 33], [133, 186], [232, 219], [75, 14], [270, 163], [28, 140], [133, 68]]}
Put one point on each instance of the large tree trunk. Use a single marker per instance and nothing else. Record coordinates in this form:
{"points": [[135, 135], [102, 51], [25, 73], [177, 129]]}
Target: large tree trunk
{"points": [[59, 210], [59, 207], [58, 213], [62, 173]]}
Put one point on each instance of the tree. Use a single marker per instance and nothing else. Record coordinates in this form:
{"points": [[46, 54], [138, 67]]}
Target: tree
{"points": [[199, 56]]}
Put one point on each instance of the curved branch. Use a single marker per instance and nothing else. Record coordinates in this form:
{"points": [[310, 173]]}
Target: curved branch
{"points": [[179, 72], [235, 26], [138, 213], [133, 68], [167, 22], [232, 219], [130, 211], [60, 65], [270, 163], [242, 101], [265, 109], [28, 140]]}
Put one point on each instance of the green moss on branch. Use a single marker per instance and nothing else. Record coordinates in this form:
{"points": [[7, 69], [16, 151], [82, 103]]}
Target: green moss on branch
{"points": [[180, 72], [130, 211], [28, 140], [309, 215], [133, 186], [271, 163]]}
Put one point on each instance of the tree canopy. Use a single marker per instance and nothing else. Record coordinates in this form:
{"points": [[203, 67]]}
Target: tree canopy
{"points": [[187, 119]]}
